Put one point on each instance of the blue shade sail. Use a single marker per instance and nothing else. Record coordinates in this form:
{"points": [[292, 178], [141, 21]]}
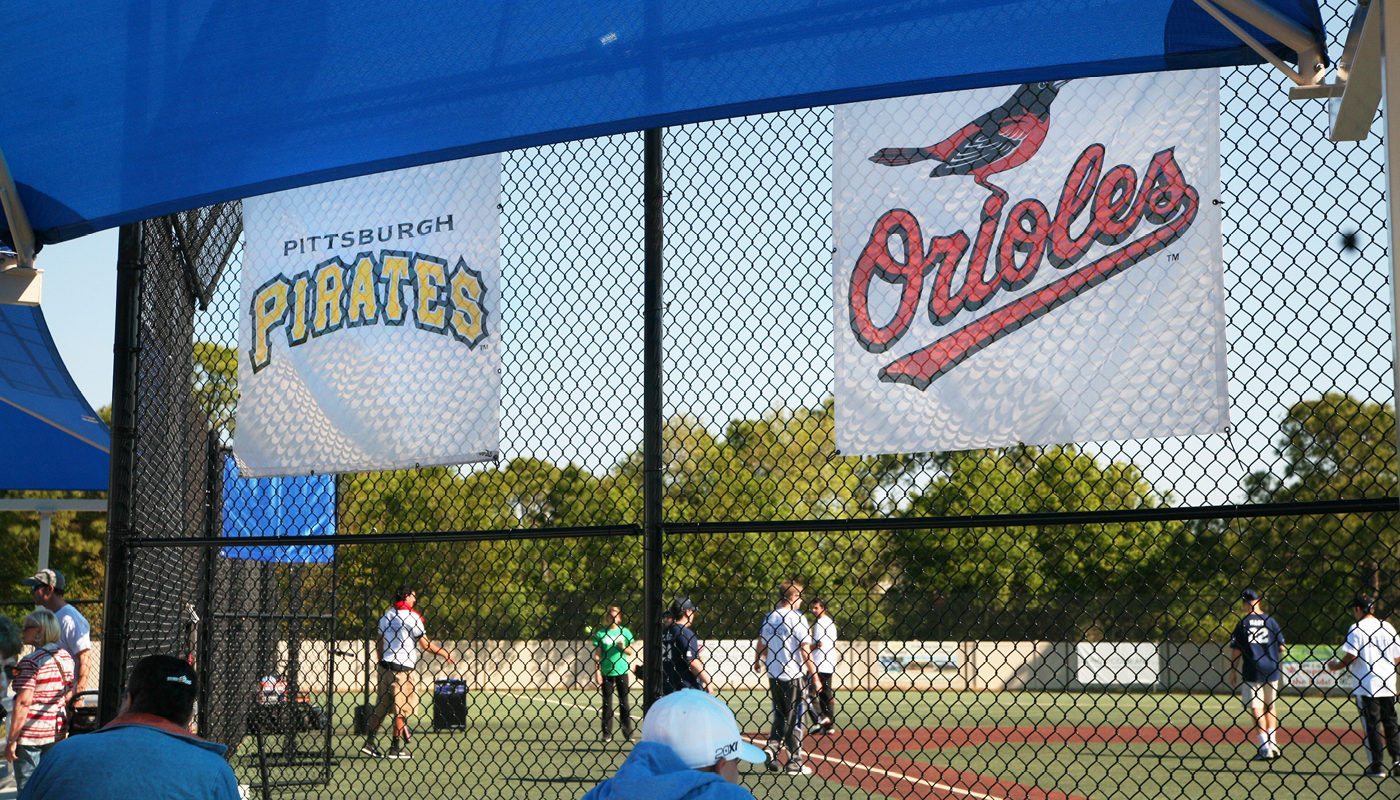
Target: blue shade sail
{"points": [[132, 110], [50, 438], [300, 506]]}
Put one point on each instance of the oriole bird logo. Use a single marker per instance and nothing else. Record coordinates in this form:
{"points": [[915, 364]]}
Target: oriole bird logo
{"points": [[1003, 138]]}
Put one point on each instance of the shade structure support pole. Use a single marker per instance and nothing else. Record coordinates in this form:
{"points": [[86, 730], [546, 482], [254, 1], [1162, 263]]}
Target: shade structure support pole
{"points": [[45, 537], [21, 234], [121, 495], [654, 196], [1390, 86]]}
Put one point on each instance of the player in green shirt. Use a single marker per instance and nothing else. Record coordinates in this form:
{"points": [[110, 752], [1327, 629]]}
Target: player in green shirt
{"points": [[612, 644]]}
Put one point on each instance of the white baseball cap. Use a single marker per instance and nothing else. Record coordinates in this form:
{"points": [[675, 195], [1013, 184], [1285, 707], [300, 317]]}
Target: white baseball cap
{"points": [[699, 728]]}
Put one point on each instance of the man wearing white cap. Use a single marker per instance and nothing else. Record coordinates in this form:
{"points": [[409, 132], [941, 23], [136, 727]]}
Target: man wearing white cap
{"points": [[74, 632], [690, 747]]}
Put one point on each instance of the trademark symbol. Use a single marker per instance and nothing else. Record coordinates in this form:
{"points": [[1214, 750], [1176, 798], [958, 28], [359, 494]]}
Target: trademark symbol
{"points": [[1173, 256]]}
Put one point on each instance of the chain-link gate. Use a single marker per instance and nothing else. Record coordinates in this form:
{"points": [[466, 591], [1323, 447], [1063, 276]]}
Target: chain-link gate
{"points": [[1025, 622]]}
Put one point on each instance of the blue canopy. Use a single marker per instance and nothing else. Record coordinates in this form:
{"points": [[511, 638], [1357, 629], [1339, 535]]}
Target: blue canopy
{"points": [[118, 111], [51, 437], [301, 506]]}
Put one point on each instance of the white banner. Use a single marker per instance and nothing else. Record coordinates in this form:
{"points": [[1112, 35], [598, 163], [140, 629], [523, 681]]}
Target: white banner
{"points": [[1037, 264], [370, 329], [1307, 675], [1116, 663]]}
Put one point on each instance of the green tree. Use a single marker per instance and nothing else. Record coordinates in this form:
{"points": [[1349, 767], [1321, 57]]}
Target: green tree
{"points": [[77, 545], [215, 385], [1333, 447], [1025, 581], [781, 466]]}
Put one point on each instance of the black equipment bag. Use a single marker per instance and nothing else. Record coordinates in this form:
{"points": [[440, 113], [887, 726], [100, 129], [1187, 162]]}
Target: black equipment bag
{"points": [[362, 715], [449, 704], [84, 714]]}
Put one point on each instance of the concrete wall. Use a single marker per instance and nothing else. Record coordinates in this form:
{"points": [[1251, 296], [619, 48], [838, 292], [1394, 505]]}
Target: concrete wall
{"points": [[870, 665]]}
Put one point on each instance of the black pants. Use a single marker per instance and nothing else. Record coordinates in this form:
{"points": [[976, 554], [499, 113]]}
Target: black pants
{"points": [[619, 684], [826, 699], [787, 722], [1378, 713]]}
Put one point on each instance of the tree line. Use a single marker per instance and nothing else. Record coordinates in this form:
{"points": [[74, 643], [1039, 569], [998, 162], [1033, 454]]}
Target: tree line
{"points": [[1166, 580]]}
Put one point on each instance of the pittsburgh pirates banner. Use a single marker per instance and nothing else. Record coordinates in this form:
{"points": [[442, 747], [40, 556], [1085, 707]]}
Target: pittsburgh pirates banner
{"points": [[1032, 264], [370, 326]]}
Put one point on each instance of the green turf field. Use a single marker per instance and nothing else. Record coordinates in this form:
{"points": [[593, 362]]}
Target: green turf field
{"points": [[892, 744]]}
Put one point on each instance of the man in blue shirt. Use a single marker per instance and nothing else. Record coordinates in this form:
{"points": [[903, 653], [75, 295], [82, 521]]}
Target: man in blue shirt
{"points": [[1258, 653], [147, 752]]}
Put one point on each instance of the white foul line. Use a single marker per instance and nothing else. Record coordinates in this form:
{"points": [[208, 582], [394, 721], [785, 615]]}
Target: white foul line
{"points": [[898, 775], [560, 703]]}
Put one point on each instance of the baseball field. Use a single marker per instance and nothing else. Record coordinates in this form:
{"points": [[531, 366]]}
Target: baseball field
{"points": [[889, 744]]}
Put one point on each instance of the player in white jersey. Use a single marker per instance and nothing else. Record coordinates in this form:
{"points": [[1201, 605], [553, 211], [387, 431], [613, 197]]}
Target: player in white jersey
{"points": [[825, 657], [785, 649], [1371, 652], [402, 638]]}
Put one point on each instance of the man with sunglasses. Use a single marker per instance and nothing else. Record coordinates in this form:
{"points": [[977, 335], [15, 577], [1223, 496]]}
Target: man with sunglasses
{"points": [[74, 633]]}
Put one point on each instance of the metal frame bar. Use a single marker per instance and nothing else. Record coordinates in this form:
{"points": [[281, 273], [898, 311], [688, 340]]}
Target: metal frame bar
{"points": [[1389, 36], [1376, 505], [49, 505], [1312, 60], [1387, 505], [500, 535], [1352, 111], [15, 217]]}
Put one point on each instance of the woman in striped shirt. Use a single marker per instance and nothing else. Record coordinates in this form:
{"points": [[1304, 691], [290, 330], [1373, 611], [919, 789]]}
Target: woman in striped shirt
{"points": [[43, 686]]}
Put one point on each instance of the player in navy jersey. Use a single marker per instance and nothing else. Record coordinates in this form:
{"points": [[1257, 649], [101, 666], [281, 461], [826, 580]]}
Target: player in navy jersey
{"points": [[1258, 654], [682, 665]]}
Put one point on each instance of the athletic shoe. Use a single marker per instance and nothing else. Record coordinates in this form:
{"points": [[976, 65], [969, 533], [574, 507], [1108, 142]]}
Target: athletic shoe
{"points": [[770, 759], [605, 738], [1265, 753], [795, 767], [370, 750], [400, 753], [1375, 772]]}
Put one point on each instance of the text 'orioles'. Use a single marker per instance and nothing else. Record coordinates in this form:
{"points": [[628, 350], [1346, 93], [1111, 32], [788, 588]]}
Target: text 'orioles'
{"points": [[1119, 203], [336, 295]]}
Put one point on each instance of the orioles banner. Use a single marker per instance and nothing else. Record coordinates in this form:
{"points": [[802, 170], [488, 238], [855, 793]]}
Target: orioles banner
{"points": [[370, 329], [1031, 264]]}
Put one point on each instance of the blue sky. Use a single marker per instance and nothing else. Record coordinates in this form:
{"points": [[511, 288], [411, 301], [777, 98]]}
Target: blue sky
{"points": [[80, 285]]}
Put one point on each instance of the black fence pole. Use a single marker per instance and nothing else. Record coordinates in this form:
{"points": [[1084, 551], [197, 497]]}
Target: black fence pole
{"points": [[653, 197], [120, 493], [213, 522]]}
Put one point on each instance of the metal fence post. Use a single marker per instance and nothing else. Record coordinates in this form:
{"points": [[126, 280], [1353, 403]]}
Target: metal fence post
{"points": [[654, 196], [120, 496]]}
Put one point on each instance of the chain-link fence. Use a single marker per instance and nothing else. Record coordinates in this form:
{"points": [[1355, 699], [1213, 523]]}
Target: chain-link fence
{"points": [[1021, 622]]}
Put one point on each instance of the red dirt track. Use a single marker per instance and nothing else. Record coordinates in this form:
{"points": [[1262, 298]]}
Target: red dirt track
{"points": [[881, 760]]}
